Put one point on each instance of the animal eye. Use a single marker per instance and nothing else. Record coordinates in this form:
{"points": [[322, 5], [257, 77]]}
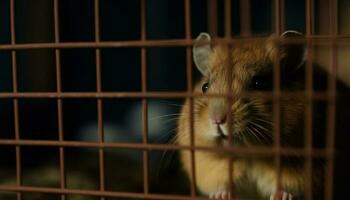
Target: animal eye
{"points": [[261, 83], [205, 87]]}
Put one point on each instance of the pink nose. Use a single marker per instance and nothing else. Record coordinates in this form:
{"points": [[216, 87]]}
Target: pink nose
{"points": [[219, 119]]}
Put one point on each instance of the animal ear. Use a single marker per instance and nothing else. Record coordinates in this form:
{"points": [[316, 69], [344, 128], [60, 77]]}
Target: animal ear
{"points": [[293, 53], [201, 50]]}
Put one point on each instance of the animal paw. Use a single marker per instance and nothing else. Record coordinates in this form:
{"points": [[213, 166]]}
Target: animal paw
{"points": [[220, 195], [281, 196]]}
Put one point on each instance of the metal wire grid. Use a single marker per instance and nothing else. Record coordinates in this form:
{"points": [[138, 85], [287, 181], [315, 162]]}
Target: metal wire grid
{"points": [[331, 39]]}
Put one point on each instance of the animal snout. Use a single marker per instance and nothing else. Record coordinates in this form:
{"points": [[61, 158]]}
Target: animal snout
{"points": [[219, 119]]}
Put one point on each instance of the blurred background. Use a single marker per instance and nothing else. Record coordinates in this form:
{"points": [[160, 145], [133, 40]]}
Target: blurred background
{"points": [[121, 71]]}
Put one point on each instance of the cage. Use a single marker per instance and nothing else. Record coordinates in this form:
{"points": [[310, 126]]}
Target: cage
{"points": [[92, 92]]}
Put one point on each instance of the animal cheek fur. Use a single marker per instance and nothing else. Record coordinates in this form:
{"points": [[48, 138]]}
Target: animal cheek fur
{"points": [[263, 106], [290, 114], [238, 111]]}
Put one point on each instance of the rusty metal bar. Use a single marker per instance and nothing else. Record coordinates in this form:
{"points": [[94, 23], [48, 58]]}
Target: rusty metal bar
{"points": [[310, 19], [278, 4], [323, 17], [278, 20], [228, 20], [99, 193], [228, 36], [82, 95], [59, 100], [331, 108], [15, 100], [102, 44], [318, 39], [188, 30], [309, 93], [245, 20], [230, 99], [213, 17], [144, 100], [309, 105], [100, 130], [245, 26], [259, 151]]}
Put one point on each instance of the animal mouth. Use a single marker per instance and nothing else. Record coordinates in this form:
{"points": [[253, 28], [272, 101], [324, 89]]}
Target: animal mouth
{"points": [[221, 134], [223, 139]]}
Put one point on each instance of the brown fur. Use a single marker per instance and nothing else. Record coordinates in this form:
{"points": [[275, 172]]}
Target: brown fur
{"points": [[232, 69]]}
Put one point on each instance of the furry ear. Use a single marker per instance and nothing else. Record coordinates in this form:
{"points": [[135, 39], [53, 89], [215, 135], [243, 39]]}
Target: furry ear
{"points": [[294, 53], [201, 50]]}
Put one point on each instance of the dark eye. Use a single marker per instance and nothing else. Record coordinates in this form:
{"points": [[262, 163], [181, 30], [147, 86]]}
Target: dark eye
{"points": [[205, 87], [261, 83]]}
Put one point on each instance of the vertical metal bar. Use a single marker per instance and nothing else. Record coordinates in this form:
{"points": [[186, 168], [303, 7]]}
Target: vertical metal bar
{"points": [[230, 101], [213, 17], [228, 36], [309, 18], [15, 100], [279, 13], [245, 17], [99, 100], [59, 101], [144, 100], [279, 22], [188, 29], [323, 17], [190, 91], [228, 20], [331, 109], [309, 99], [282, 16]]}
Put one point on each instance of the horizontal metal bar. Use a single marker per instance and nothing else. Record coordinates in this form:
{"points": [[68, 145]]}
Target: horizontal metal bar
{"points": [[102, 194], [109, 44], [256, 151], [93, 193], [321, 39], [81, 95]]}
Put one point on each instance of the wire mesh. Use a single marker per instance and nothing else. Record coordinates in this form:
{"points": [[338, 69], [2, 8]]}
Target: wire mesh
{"points": [[329, 40]]}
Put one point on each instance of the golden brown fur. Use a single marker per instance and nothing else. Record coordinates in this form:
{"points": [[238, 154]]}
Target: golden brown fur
{"points": [[232, 69]]}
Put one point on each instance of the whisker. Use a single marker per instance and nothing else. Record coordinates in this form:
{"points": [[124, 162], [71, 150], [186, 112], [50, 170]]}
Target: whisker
{"points": [[170, 120], [252, 133], [167, 133], [261, 135], [263, 120], [260, 126], [171, 103], [167, 157], [164, 116], [240, 135]]}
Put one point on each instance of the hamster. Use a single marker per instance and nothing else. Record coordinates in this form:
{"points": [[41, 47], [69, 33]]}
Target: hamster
{"points": [[241, 68]]}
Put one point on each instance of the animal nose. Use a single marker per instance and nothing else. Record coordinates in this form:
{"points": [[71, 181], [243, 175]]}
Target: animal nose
{"points": [[219, 119]]}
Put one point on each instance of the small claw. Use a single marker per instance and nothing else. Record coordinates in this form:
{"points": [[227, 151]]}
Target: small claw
{"points": [[284, 196], [226, 195], [220, 195], [281, 196], [211, 195]]}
